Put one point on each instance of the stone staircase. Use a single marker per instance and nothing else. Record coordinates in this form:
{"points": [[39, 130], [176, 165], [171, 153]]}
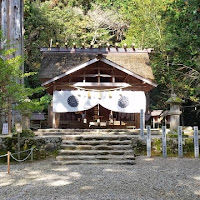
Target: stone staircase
{"points": [[93, 146]]}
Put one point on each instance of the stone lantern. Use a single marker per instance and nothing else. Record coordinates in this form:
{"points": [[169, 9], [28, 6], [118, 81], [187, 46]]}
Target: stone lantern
{"points": [[174, 112]]}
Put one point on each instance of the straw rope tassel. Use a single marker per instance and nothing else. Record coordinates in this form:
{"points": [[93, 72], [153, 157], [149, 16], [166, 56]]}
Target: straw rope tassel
{"points": [[89, 95], [110, 94]]}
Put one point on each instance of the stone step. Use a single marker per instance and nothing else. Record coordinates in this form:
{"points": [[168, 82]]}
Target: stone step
{"points": [[95, 152], [95, 157], [97, 142], [96, 147], [84, 130], [97, 137], [80, 162], [60, 134]]}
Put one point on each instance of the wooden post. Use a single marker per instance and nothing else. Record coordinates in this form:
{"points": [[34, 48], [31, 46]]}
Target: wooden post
{"points": [[18, 138], [141, 123], [8, 162], [32, 156], [57, 120], [180, 142], [54, 120], [18, 127], [50, 115], [153, 122], [164, 142], [196, 142], [148, 141]]}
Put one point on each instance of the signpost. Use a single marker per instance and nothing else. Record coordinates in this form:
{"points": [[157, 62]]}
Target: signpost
{"points": [[141, 123], [164, 142], [180, 142], [5, 128], [196, 142], [148, 141]]}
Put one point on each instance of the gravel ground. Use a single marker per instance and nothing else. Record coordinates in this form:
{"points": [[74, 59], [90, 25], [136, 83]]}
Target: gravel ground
{"points": [[154, 178]]}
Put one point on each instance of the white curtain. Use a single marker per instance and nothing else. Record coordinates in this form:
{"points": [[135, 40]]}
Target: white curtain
{"points": [[118, 101]]}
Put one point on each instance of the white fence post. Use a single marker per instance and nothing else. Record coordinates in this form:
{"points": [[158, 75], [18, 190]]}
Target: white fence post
{"points": [[196, 142], [148, 141], [180, 142], [164, 142]]}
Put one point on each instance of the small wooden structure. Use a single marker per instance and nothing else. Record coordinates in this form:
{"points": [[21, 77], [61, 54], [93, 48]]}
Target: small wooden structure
{"points": [[160, 118], [99, 69], [156, 118], [36, 119]]}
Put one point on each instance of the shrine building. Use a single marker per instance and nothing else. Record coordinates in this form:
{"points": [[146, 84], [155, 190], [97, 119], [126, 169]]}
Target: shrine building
{"points": [[96, 87]]}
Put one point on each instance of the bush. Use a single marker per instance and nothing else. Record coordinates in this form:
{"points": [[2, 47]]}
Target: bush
{"points": [[27, 133], [176, 136]]}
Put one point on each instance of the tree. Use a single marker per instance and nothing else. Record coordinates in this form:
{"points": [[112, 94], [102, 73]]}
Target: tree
{"points": [[11, 92], [176, 62]]}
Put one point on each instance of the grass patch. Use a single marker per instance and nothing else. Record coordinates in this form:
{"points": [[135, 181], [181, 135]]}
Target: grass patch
{"points": [[176, 136]]}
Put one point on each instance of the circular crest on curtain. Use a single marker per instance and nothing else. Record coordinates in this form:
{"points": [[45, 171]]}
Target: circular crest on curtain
{"points": [[72, 101], [123, 102]]}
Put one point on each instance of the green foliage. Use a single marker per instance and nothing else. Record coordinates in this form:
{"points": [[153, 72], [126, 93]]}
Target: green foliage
{"points": [[14, 95], [176, 136], [45, 100], [176, 61], [27, 133], [157, 145]]}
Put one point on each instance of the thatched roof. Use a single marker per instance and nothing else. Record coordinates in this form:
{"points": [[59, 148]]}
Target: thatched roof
{"points": [[135, 62], [55, 62]]}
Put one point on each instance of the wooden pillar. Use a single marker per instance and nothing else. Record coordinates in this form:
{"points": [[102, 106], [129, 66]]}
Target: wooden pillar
{"points": [[153, 122], [137, 120], [56, 120], [50, 116]]}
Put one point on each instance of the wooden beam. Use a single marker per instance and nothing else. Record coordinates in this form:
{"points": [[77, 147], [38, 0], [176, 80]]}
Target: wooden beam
{"points": [[105, 84], [126, 78], [96, 75], [102, 68]]}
